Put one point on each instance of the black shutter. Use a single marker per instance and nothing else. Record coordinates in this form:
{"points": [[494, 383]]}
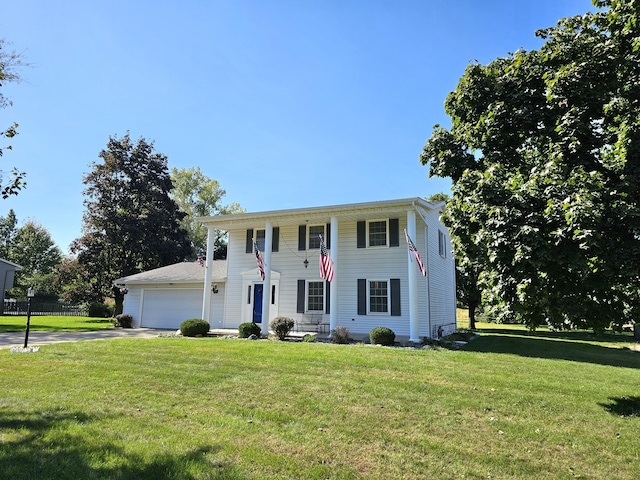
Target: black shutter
{"points": [[362, 234], [302, 237], [327, 236], [301, 292], [394, 232], [275, 241], [327, 297], [362, 296], [395, 297], [249, 248]]}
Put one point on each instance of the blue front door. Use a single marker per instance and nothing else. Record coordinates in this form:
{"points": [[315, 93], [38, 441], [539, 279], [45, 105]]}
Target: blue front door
{"points": [[257, 303]]}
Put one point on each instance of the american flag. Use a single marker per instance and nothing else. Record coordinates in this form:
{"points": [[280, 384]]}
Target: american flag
{"points": [[326, 267], [416, 254], [259, 259]]}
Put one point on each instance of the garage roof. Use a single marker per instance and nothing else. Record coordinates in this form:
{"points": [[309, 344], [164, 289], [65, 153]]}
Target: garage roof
{"points": [[183, 272]]}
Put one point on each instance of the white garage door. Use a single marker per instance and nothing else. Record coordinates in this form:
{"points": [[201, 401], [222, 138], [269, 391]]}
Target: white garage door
{"points": [[168, 308]]}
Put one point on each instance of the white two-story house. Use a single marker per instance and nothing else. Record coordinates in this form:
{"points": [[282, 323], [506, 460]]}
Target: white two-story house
{"points": [[376, 279]]}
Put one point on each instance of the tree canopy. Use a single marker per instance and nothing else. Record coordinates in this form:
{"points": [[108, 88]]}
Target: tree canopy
{"points": [[9, 63], [130, 223], [544, 154], [31, 247], [199, 196]]}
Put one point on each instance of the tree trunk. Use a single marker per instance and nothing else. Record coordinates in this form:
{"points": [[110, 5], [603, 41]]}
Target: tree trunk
{"points": [[118, 296], [472, 316]]}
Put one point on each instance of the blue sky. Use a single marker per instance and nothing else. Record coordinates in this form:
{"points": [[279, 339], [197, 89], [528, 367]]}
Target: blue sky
{"points": [[287, 104]]}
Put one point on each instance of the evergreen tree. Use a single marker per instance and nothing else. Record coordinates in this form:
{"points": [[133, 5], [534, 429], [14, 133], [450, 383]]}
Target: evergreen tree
{"points": [[130, 223]]}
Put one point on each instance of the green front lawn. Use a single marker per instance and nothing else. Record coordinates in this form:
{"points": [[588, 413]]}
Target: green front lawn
{"points": [[512, 405], [11, 323]]}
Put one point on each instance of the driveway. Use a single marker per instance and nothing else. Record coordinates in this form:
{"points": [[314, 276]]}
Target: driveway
{"points": [[16, 339]]}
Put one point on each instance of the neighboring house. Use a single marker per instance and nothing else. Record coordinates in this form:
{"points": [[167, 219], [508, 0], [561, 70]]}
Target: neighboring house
{"points": [[165, 297], [7, 276], [376, 280]]}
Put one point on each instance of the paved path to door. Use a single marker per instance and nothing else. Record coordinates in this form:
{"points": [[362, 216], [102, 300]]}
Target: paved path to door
{"points": [[16, 339]]}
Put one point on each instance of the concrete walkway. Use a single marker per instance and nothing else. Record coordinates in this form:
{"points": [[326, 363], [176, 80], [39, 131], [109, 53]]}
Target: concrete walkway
{"points": [[16, 339]]}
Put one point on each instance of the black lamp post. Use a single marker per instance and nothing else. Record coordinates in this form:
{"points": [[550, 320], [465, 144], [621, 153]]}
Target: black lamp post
{"points": [[30, 293]]}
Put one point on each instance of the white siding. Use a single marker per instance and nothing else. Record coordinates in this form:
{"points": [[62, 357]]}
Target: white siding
{"points": [[441, 281], [371, 263]]}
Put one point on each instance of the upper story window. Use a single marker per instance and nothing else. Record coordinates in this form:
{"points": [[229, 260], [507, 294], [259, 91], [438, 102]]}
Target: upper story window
{"points": [[258, 235], [309, 236], [314, 236], [442, 244], [377, 233], [260, 239]]}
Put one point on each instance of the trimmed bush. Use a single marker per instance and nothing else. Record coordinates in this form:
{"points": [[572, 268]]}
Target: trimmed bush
{"points": [[100, 310], [281, 326], [245, 330], [124, 320], [309, 338], [340, 335], [382, 336], [194, 327]]}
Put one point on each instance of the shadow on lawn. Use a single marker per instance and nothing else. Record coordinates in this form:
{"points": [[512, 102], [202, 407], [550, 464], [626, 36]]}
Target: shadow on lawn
{"points": [[623, 406], [553, 347], [47, 446]]}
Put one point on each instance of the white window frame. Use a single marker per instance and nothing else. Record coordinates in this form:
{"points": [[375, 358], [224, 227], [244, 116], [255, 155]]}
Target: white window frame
{"points": [[388, 283], [309, 247], [306, 296], [442, 244], [368, 232]]}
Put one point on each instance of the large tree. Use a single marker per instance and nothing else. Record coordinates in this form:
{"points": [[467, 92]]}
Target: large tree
{"points": [[33, 248], [544, 154], [130, 223], [198, 196], [9, 63]]}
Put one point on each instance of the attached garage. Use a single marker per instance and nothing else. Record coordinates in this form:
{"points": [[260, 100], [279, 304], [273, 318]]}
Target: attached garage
{"points": [[166, 307], [167, 296]]}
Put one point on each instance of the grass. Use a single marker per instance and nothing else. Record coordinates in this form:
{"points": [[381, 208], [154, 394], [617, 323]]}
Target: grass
{"points": [[10, 323], [511, 405]]}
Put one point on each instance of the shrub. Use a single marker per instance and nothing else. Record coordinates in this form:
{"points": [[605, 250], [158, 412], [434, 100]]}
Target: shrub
{"points": [[194, 327], [309, 338], [245, 330], [382, 336], [124, 320], [281, 326], [100, 310], [340, 335]]}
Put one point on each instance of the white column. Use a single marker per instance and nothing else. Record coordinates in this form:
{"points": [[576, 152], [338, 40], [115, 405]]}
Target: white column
{"points": [[413, 281], [333, 294], [266, 289], [208, 274]]}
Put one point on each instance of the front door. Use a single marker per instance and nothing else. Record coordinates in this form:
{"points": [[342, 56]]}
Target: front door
{"points": [[257, 302]]}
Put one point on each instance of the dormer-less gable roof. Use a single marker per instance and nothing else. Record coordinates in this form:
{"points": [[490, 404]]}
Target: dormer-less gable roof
{"points": [[183, 272], [354, 211]]}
